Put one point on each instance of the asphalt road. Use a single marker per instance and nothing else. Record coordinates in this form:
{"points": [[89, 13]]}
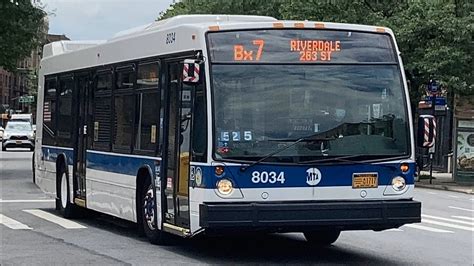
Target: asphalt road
{"points": [[32, 234]]}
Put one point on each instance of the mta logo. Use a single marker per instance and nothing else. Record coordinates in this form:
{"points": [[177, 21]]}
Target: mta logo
{"points": [[313, 176]]}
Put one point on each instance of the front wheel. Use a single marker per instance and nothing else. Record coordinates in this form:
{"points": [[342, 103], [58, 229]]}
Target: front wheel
{"points": [[148, 211], [322, 238]]}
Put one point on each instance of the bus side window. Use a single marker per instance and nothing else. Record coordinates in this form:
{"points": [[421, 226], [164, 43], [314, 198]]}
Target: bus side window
{"points": [[102, 111], [124, 111], [148, 103], [49, 112], [64, 112], [199, 138]]}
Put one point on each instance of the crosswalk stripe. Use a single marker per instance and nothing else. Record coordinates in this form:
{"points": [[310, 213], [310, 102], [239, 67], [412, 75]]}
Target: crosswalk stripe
{"points": [[55, 219], [13, 224], [463, 217], [394, 230], [446, 219], [26, 201], [462, 209], [448, 225], [427, 228]]}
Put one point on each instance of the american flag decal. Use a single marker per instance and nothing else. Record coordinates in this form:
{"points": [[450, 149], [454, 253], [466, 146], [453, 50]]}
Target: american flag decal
{"points": [[46, 112]]}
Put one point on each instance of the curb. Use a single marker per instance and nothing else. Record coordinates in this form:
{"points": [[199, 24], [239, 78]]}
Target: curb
{"points": [[444, 187]]}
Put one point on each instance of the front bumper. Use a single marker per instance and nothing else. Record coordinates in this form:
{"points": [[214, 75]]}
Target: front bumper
{"points": [[311, 215], [8, 143]]}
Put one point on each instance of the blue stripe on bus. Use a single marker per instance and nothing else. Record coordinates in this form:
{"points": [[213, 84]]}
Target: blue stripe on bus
{"points": [[294, 176], [51, 154], [120, 164]]}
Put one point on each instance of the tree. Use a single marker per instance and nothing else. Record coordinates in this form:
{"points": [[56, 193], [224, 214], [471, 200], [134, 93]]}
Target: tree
{"points": [[21, 30]]}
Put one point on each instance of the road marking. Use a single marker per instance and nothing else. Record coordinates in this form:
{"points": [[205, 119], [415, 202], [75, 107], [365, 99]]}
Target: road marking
{"points": [[448, 225], [451, 196], [432, 193], [394, 230], [26, 201], [426, 228], [462, 209], [55, 219], [13, 224], [446, 219], [463, 217]]}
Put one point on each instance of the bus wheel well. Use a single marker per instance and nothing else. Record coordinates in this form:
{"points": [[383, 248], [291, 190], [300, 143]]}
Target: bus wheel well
{"points": [[143, 176]]}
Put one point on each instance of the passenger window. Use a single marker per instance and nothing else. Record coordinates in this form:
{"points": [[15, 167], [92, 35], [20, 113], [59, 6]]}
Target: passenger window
{"points": [[147, 128], [49, 111], [64, 114], [124, 111], [102, 112]]}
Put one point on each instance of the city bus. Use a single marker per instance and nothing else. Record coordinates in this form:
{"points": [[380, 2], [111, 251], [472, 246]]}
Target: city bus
{"points": [[220, 124]]}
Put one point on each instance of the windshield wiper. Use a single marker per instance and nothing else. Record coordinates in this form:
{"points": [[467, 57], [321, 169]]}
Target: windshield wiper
{"points": [[345, 160], [307, 138]]}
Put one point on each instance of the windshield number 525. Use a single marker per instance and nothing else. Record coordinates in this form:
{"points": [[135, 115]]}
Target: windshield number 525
{"points": [[268, 177]]}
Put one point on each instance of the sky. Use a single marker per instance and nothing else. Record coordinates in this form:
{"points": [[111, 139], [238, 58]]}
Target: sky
{"points": [[100, 19]]}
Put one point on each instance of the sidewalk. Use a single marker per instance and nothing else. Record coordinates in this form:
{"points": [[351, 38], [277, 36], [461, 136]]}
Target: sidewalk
{"points": [[442, 181]]}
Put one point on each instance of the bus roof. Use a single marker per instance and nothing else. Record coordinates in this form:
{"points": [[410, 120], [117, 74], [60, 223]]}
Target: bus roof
{"points": [[150, 40]]}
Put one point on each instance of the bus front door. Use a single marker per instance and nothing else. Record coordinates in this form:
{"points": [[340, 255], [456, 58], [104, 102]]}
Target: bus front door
{"points": [[177, 148], [79, 168]]}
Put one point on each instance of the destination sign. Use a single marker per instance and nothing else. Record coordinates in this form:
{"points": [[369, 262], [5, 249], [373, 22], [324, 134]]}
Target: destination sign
{"points": [[300, 46]]}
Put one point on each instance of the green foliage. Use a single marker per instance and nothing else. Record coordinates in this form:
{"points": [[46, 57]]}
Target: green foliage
{"points": [[434, 37], [21, 30]]}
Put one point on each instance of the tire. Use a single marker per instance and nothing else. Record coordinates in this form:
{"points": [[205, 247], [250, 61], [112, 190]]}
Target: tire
{"points": [[322, 238], [32, 148], [4, 148], [63, 205], [148, 213]]}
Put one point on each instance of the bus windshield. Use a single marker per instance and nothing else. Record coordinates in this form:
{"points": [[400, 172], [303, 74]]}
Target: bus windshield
{"points": [[352, 105]]}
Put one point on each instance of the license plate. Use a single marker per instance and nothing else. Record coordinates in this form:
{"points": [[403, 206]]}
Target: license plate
{"points": [[365, 180], [18, 142]]}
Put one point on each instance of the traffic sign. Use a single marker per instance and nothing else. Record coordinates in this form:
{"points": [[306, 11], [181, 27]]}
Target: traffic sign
{"points": [[433, 86], [26, 99]]}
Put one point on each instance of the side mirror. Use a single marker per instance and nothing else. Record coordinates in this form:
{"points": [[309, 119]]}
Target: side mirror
{"points": [[426, 134], [191, 71]]}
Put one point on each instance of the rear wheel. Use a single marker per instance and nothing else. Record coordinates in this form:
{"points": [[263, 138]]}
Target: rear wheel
{"points": [[63, 204], [322, 238], [148, 212]]}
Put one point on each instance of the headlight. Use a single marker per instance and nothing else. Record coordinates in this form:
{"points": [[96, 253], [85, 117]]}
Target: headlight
{"points": [[398, 183], [6, 135], [224, 186], [31, 135]]}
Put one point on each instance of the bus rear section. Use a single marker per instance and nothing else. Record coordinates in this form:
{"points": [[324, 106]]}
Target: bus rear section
{"points": [[311, 132]]}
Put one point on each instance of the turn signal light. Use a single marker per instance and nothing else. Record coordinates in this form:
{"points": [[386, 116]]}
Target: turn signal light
{"points": [[219, 170], [404, 167]]}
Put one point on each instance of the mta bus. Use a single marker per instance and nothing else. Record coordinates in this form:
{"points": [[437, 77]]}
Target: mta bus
{"points": [[222, 123]]}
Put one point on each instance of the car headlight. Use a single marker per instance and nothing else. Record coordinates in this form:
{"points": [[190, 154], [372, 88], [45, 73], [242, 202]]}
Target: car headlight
{"points": [[224, 186], [398, 183], [31, 135], [6, 135]]}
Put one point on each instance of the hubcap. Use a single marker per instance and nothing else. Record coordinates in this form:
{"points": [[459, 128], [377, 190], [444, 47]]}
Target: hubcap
{"points": [[63, 191], [149, 208]]}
